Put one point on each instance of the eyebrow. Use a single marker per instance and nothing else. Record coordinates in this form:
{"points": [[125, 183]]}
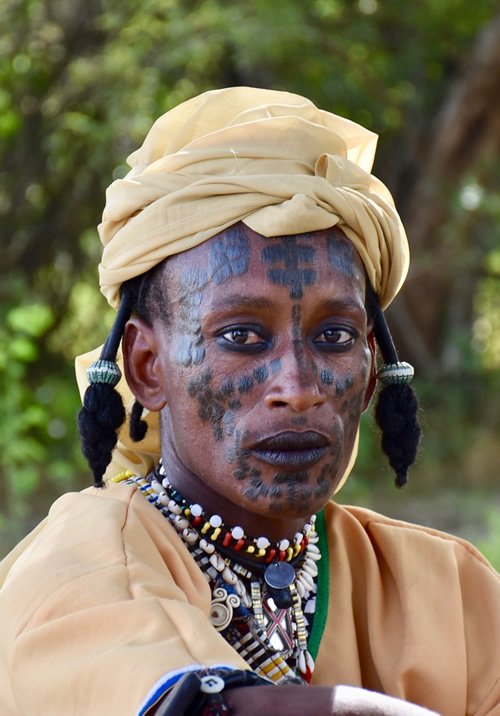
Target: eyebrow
{"points": [[259, 303], [341, 305]]}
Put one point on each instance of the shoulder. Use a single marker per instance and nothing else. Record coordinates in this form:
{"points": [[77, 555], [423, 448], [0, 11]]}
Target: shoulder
{"points": [[398, 540], [92, 532], [428, 600]]}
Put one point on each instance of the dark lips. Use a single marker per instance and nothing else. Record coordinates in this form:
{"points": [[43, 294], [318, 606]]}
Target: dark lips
{"points": [[291, 449]]}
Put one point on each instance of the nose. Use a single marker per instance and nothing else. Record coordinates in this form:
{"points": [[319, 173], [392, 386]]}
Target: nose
{"points": [[296, 383]]}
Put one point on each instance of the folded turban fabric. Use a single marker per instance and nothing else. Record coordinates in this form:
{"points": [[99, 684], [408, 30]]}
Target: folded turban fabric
{"points": [[270, 159]]}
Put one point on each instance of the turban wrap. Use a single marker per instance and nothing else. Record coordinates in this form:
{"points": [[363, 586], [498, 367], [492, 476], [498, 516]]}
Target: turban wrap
{"points": [[270, 159]]}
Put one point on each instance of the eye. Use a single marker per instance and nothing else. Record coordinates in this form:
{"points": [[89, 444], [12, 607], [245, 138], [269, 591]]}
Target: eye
{"points": [[336, 337], [241, 338]]}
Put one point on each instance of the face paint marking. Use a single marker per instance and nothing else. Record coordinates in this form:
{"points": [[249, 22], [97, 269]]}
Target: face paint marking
{"points": [[228, 422], [285, 477], [257, 488], [298, 344], [323, 482], [326, 377], [210, 410], [226, 389], [300, 420], [341, 255], [243, 470], [261, 373], [291, 254], [292, 490], [252, 493], [275, 365], [342, 385], [245, 383], [352, 406], [229, 255], [189, 349]]}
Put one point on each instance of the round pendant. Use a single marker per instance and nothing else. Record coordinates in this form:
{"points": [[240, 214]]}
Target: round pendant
{"points": [[279, 575]]}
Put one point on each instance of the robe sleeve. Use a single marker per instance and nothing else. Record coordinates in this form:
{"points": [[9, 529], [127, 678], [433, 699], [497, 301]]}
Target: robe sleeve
{"points": [[103, 611]]}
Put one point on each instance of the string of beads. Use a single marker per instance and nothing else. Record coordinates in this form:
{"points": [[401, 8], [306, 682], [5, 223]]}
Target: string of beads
{"points": [[211, 528], [244, 604]]}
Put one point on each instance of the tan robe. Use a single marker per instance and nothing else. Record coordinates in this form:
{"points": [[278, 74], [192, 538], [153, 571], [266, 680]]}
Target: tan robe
{"points": [[103, 600]]}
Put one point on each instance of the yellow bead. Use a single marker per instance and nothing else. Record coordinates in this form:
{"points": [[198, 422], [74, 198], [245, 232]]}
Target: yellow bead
{"points": [[205, 528], [122, 476], [216, 533]]}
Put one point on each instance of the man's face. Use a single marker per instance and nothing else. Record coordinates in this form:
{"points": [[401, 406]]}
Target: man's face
{"points": [[265, 364]]}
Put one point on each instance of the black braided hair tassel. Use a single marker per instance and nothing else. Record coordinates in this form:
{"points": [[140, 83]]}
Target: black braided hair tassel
{"points": [[396, 411], [396, 415], [138, 427], [99, 420], [103, 412]]}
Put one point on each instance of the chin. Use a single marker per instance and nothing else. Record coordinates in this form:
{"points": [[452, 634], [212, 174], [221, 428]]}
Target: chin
{"points": [[294, 504]]}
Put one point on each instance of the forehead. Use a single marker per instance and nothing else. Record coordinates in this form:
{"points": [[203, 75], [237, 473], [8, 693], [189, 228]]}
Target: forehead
{"points": [[296, 262]]}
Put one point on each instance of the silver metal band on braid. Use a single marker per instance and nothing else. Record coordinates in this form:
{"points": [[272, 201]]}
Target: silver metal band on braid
{"points": [[398, 373], [104, 371]]}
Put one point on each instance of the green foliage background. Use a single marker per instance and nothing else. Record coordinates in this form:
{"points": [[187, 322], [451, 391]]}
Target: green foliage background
{"points": [[81, 82]]}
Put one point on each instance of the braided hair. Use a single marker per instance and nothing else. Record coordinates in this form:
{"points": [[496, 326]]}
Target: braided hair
{"points": [[103, 413], [396, 409]]}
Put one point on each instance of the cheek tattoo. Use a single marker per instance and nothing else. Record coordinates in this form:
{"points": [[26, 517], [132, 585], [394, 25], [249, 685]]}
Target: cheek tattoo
{"points": [[210, 409], [245, 383], [291, 254], [275, 365], [261, 373], [341, 385]]}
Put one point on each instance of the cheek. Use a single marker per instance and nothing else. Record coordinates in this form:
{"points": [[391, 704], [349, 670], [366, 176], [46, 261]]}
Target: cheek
{"points": [[211, 404], [352, 390], [217, 400]]}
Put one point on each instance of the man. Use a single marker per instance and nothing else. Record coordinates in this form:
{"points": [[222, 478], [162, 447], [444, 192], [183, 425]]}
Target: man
{"points": [[249, 251]]}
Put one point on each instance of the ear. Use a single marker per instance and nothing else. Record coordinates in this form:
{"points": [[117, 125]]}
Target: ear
{"points": [[372, 381], [142, 365]]}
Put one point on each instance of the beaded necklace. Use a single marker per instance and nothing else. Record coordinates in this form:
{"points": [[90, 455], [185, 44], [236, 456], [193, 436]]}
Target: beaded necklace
{"points": [[260, 591]]}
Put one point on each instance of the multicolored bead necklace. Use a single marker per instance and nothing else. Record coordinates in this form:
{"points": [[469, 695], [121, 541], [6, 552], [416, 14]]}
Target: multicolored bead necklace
{"points": [[260, 590]]}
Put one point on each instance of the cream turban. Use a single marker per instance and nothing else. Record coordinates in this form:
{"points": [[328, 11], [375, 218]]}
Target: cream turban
{"points": [[270, 159]]}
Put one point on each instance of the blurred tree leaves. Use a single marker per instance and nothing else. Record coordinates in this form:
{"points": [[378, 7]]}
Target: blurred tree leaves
{"points": [[81, 82]]}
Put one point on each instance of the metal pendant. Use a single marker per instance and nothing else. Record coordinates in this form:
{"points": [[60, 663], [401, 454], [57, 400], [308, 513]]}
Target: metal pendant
{"points": [[278, 578]]}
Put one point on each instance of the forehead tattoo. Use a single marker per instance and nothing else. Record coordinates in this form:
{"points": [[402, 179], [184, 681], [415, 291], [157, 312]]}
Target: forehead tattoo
{"points": [[189, 345], [341, 255], [228, 256], [292, 273]]}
